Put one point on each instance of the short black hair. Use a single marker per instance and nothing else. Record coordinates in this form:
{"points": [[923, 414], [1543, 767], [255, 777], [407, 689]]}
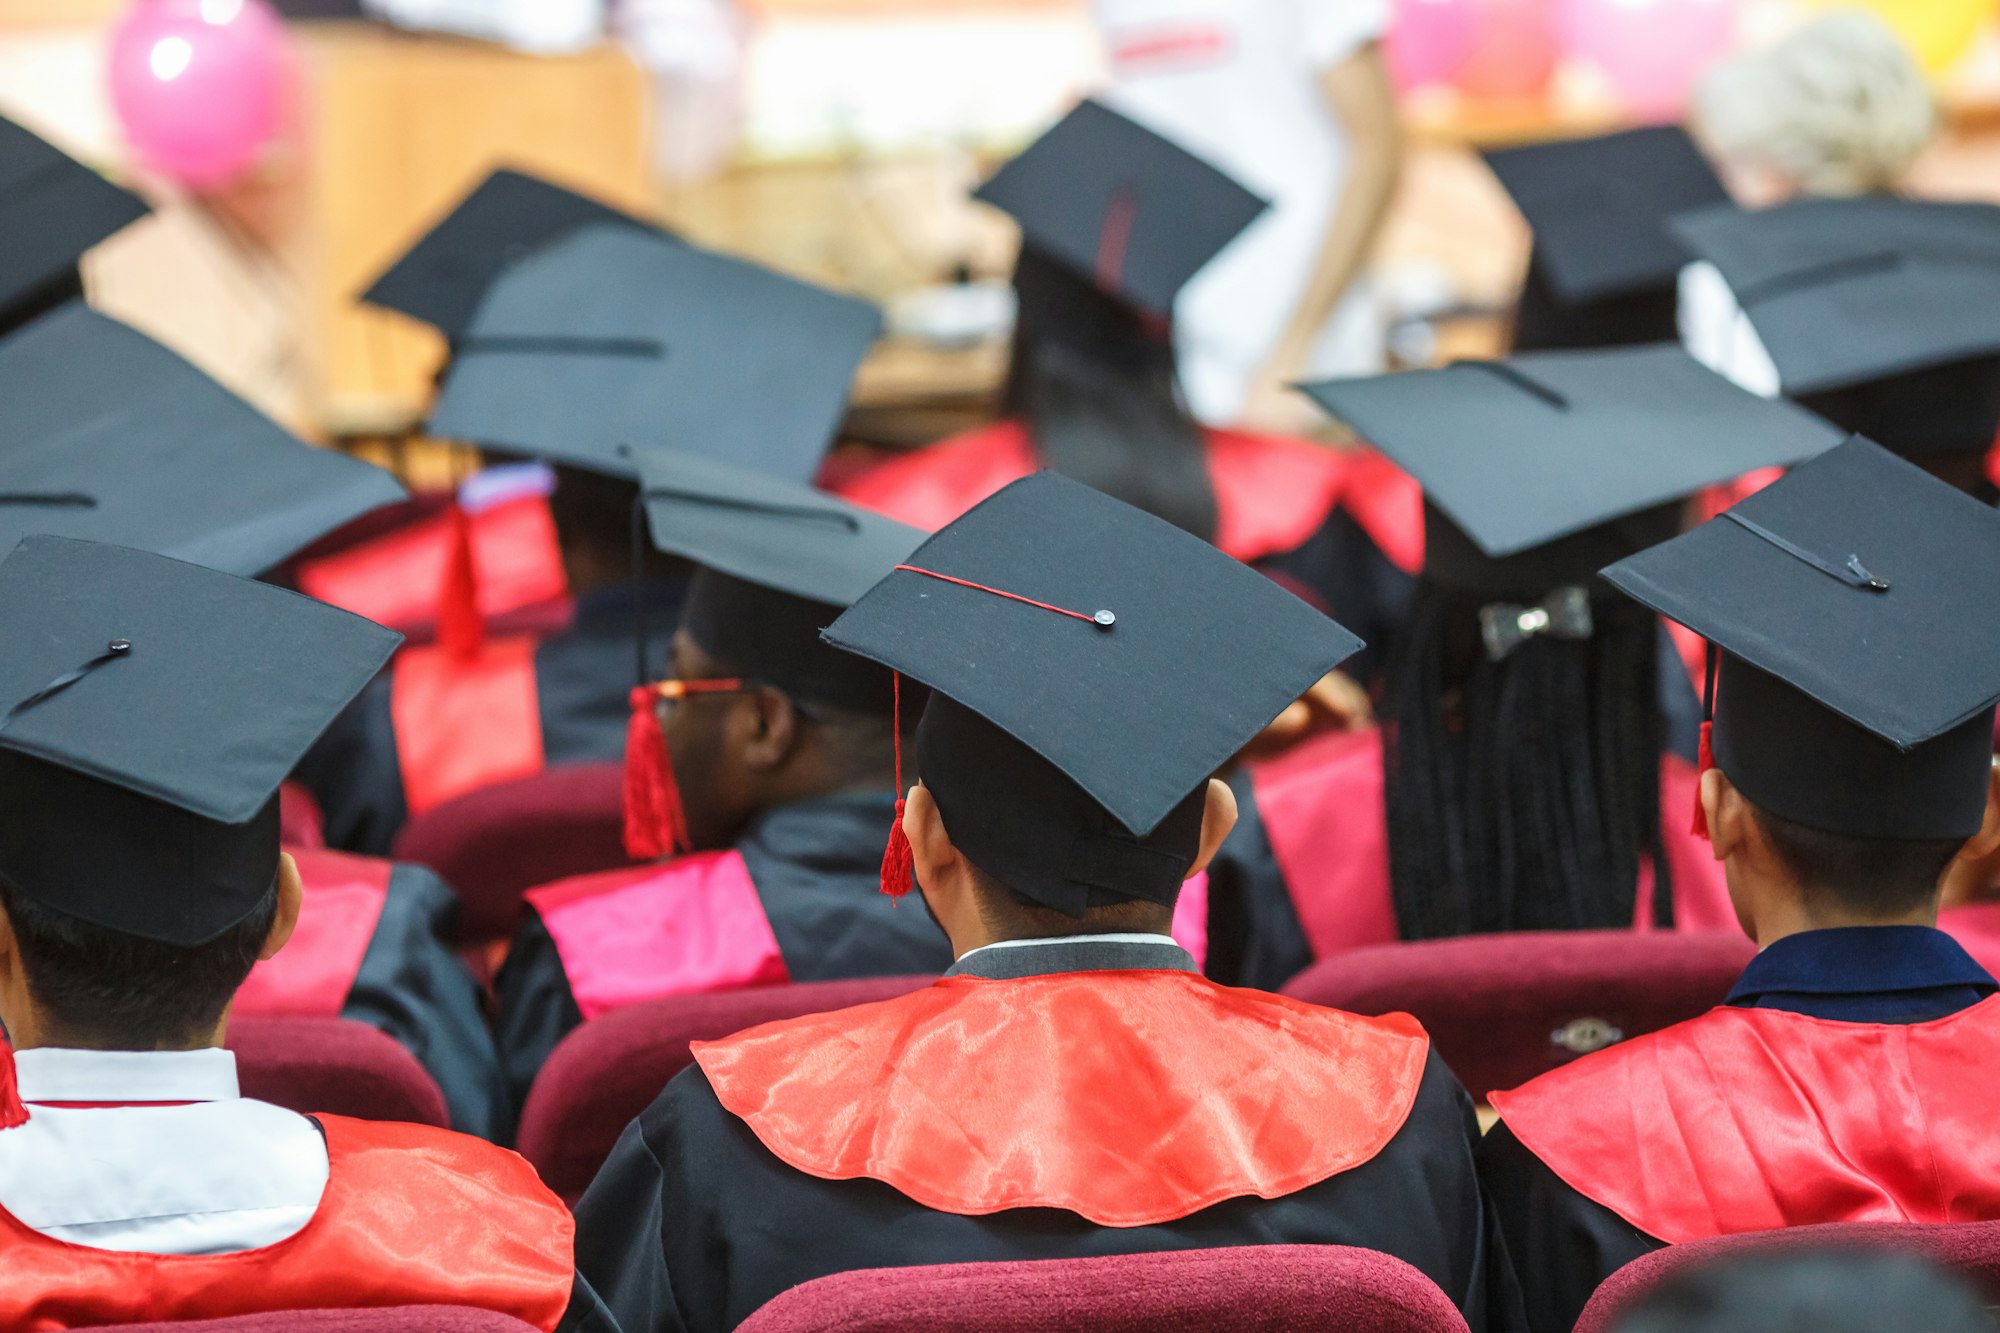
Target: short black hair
{"points": [[593, 513], [1879, 877], [1013, 915], [107, 990], [1822, 1291]]}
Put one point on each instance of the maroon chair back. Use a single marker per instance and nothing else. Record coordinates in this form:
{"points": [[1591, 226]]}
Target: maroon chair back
{"points": [[1970, 1249], [610, 1069], [1503, 1009], [1249, 1289], [335, 1066], [398, 1319], [495, 844]]}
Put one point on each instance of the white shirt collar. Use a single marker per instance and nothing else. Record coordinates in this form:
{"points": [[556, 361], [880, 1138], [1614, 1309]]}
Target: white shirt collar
{"points": [[60, 1074], [1123, 937]]}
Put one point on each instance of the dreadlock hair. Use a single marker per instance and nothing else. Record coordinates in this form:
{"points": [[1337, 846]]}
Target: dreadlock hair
{"points": [[1094, 380], [1523, 793]]}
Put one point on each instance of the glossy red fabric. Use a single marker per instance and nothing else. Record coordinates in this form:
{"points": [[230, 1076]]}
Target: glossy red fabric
{"points": [[1324, 810], [1272, 493], [1388, 504], [1129, 1098], [462, 724], [685, 928], [1750, 1119], [411, 1216], [312, 975]]}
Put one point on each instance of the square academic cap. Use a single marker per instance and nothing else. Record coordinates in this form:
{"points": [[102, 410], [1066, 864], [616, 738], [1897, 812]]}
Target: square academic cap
{"points": [[441, 278], [1599, 207], [1853, 604], [110, 436], [1844, 291], [52, 210], [1117, 203], [1523, 452], [1094, 666], [610, 340], [149, 709]]}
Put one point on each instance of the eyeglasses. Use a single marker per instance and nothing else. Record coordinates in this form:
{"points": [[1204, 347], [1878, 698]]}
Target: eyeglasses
{"points": [[674, 690]]}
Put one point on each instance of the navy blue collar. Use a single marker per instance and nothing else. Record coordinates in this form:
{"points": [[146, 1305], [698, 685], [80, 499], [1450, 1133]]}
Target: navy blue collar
{"points": [[1865, 974]]}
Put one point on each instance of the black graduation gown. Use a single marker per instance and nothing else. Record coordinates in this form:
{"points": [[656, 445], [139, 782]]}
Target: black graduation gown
{"points": [[1355, 583], [816, 867], [583, 678], [1563, 1245], [693, 1224]]}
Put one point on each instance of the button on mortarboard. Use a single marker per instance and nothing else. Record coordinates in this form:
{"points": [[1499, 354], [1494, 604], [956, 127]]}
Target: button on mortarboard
{"points": [[52, 210], [1118, 204], [511, 214], [113, 437], [611, 340]]}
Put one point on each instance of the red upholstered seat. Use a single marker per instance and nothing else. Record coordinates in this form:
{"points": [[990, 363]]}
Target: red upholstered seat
{"points": [[1249, 1289], [610, 1069], [1505, 1008], [1971, 1249], [495, 844], [334, 1065], [401, 1319]]}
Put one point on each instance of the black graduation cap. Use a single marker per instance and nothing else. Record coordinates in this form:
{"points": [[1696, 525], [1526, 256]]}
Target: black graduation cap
{"points": [[1071, 736], [611, 340], [779, 562], [1136, 213], [1846, 291], [1519, 455], [441, 278], [1599, 207], [149, 708], [110, 436], [1852, 604], [52, 210]]}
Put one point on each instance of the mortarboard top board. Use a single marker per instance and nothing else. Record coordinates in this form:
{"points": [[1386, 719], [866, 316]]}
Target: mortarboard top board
{"points": [[1524, 452], [779, 561], [52, 210], [1119, 204], [441, 278], [1599, 207], [1845, 291], [1068, 752], [140, 779], [110, 436], [611, 340], [1860, 663]]}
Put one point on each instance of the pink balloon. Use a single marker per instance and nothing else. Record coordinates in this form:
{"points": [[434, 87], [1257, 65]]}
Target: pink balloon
{"points": [[199, 85], [1514, 51], [1430, 40], [1650, 50]]}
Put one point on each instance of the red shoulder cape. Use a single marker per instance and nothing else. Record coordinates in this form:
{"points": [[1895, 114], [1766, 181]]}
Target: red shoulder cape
{"points": [[411, 1216], [315, 970], [463, 723], [1130, 1098], [1752, 1119]]}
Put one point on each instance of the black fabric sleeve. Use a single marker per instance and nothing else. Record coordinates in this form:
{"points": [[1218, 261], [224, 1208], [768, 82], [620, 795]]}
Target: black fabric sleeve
{"points": [[621, 1237], [536, 1007], [356, 775], [1560, 1244], [1254, 935], [587, 1312], [414, 987], [1356, 584]]}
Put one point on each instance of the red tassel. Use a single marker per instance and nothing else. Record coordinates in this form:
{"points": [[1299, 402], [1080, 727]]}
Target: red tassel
{"points": [[12, 1113], [655, 824], [899, 863], [461, 629], [1707, 762]]}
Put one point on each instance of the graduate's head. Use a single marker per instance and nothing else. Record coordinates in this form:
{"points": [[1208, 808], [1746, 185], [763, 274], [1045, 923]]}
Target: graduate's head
{"points": [[1523, 735], [1942, 418], [592, 512], [1852, 687], [1091, 668]]}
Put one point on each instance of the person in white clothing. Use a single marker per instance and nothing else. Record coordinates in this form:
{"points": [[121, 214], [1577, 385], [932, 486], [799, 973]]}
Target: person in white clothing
{"points": [[1293, 98]]}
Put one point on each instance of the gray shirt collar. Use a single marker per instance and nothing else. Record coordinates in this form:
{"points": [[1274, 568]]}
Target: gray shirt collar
{"points": [[1011, 960]]}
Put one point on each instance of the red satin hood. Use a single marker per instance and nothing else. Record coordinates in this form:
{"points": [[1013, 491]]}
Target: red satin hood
{"points": [[1129, 1098], [1753, 1119]]}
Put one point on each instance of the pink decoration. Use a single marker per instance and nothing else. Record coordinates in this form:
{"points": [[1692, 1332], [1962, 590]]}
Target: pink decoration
{"points": [[1514, 50], [1430, 40], [199, 85], [1651, 51]]}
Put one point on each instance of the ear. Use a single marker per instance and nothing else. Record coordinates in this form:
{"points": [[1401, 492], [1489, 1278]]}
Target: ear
{"points": [[1216, 820], [931, 851], [1974, 874], [1727, 814], [774, 728], [291, 896]]}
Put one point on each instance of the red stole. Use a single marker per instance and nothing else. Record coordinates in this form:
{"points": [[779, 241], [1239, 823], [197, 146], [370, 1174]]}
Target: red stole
{"points": [[312, 975], [1129, 1098], [411, 1216], [1323, 809], [1752, 1119], [464, 723]]}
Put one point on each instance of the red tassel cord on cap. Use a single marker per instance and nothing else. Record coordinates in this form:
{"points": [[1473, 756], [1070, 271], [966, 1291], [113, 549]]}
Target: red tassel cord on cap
{"points": [[1707, 755], [461, 628], [654, 823], [898, 861], [12, 1113]]}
